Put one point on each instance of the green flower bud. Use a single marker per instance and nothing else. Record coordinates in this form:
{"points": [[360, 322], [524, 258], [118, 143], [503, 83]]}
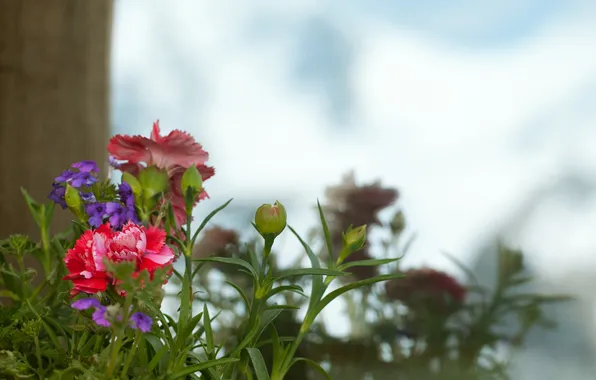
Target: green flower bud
{"points": [[153, 182], [192, 179], [271, 219], [398, 223], [354, 239], [73, 199], [134, 183]]}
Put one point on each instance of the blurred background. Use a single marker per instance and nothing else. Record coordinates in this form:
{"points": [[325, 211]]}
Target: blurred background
{"points": [[481, 113]]}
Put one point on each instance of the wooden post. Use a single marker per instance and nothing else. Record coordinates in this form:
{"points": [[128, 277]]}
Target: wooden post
{"points": [[54, 98]]}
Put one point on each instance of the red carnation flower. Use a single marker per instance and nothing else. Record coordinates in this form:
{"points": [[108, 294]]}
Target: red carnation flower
{"points": [[175, 153], [144, 246], [85, 261]]}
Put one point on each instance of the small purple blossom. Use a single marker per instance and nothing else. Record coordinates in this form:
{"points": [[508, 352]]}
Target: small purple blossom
{"points": [[126, 195], [99, 316], [86, 166], [87, 197], [141, 321], [66, 176], [83, 178], [86, 303], [117, 214], [57, 194], [96, 212], [113, 162]]}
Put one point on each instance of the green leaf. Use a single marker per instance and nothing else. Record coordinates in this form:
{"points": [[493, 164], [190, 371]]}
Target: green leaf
{"points": [[158, 355], [317, 281], [367, 263], [310, 272], [325, 232], [283, 307], [208, 218], [8, 293], [241, 292], [232, 261], [199, 367], [313, 364], [208, 331], [258, 363], [291, 288], [358, 284], [187, 331], [34, 207]]}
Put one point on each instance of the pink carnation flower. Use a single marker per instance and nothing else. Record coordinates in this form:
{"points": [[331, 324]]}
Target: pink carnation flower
{"points": [[174, 152]]}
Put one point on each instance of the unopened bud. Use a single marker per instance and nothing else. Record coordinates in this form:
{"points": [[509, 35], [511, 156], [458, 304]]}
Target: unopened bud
{"points": [[191, 179], [271, 219], [354, 238], [73, 199], [398, 223]]}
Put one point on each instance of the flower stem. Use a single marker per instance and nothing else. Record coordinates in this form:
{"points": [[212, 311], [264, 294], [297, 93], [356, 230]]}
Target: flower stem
{"points": [[131, 354]]}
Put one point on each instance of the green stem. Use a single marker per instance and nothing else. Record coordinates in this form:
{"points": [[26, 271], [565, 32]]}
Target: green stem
{"points": [[38, 355], [118, 337], [131, 353]]}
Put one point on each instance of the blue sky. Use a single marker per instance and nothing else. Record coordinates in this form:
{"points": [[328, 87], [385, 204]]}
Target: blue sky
{"points": [[468, 107]]}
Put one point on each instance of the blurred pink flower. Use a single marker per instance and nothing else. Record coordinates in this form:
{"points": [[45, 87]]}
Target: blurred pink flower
{"points": [[174, 153]]}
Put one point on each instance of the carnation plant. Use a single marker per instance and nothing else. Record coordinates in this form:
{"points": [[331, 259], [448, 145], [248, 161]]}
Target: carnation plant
{"points": [[94, 309], [425, 325]]}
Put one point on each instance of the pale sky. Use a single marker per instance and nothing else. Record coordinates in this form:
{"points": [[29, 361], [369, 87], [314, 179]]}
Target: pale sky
{"points": [[466, 108]]}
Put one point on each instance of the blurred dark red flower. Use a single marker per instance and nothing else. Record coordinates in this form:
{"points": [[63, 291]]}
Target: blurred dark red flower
{"points": [[214, 242], [350, 204], [427, 288]]}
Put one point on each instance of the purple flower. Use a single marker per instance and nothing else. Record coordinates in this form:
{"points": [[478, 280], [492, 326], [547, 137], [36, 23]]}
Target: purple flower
{"points": [[117, 214], [86, 166], [87, 197], [86, 303], [96, 212], [126, 195], [66, 176], [113, 162], [141, 321], [83, 178], [99, 316], [57, 194]]}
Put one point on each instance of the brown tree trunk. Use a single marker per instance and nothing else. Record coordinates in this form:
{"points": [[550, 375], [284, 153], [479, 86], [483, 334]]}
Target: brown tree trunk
{"points": [[54, 98]]}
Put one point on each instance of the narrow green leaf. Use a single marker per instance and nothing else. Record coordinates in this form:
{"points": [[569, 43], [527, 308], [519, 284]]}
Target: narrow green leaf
{"points": [[283, 307], [241, 292], [326, 232], [367, 263], [358, 284], [313, 364], [208, 331], [34, 207], [185, 304], [290, 288], [199, 367], [187, 331], [309, 272], [258, 363], [232, 261], [208, 218], [155, 360], [317, 281]]}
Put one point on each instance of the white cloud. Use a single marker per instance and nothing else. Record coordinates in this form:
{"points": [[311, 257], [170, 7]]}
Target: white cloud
{"points": [[435, 121]]}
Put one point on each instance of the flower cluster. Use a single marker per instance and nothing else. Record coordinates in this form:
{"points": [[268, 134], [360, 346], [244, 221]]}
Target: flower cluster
{"points": [[137, 320], [134, 243], [117, 212], [173, 153], [80, 179]]}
